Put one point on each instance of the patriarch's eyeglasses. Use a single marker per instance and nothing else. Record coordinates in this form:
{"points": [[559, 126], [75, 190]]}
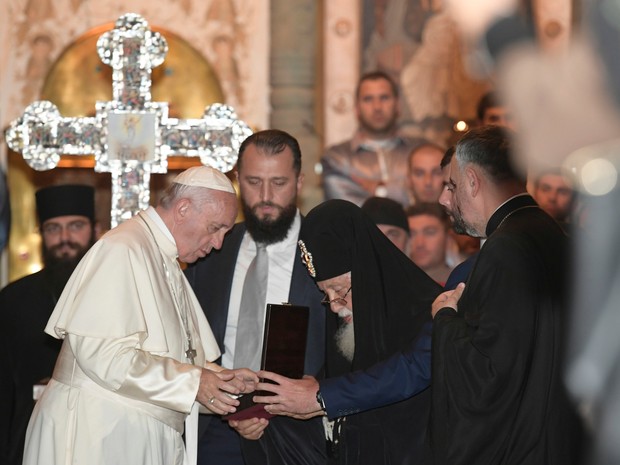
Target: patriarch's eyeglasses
{"points": [[338, 300]]}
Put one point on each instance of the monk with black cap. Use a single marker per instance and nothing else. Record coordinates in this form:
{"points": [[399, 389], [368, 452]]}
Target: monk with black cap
{"points": [[66, 216], [390, 218], [352, 261]]}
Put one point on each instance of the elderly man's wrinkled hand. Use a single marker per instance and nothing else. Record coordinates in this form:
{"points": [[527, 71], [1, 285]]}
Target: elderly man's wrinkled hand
{"points": [[239, 380], [245, 379], [218, 390]]}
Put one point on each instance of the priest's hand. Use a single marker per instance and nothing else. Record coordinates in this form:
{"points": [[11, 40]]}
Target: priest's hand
{"points": [[252, 428], [218, 389], [293, 397], [448, 299]]}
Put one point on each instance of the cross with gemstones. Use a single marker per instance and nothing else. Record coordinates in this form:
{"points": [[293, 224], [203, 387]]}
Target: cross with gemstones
{"points": [[130, 136]]}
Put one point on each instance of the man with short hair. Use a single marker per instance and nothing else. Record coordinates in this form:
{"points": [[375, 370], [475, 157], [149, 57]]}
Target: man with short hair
{"points": [[390, 218], [491, 112], [374, 161], [425, 179], [66, 215], [555, 195], [429, 227], [497, 389], [136, 352], [269, 176]]}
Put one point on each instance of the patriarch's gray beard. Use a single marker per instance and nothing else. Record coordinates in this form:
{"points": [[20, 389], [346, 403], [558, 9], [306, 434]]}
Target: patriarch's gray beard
{"points": [[345, 341]]}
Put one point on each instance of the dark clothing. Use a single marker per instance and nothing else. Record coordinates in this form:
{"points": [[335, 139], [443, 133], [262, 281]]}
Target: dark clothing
{"points": [[27, 356], [392, 302], [211, 278], [287, 441], [498, 395], [393, 427], [460, 273], [399, 377], [5, 212]]}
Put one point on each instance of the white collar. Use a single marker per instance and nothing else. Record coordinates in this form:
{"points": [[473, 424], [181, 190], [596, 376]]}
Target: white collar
{"points": [[153, 215]]}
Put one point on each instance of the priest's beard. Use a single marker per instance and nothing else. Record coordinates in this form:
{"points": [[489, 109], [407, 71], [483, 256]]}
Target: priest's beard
{"points": [[345, 341], [58, 269], [268, 230]]}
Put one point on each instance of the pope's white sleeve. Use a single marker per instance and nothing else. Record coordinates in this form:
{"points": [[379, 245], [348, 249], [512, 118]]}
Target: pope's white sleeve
{"points": [[120, 366]]}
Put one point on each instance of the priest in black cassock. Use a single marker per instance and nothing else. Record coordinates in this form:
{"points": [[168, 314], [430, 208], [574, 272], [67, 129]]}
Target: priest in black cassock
{"points": [[497, 349], [66, 216]]}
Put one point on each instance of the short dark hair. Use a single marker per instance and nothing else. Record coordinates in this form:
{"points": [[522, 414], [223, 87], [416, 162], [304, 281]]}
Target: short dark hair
{"points": [[430, 209], [373, 76], [447, 157], [272, 142], [491, 148], [488, 100]]}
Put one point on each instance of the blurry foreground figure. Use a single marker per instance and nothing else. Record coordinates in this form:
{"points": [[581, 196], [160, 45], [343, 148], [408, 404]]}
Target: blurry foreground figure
{"points": [[577, 126]]}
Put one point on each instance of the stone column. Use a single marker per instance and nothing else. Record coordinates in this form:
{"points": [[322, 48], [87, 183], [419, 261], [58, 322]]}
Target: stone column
{"points": [[554, 20], [295, 84], [342, 41]]}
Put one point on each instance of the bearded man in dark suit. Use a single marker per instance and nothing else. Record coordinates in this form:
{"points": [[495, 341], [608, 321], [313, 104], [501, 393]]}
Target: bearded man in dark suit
{"points": [[269, 176]]}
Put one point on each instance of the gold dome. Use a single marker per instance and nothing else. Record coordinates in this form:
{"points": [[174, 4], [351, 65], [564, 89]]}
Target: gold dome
{"points": [[78, 78]]}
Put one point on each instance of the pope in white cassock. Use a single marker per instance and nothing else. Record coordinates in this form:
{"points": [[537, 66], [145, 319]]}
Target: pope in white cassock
{"points": [[134, 361]]}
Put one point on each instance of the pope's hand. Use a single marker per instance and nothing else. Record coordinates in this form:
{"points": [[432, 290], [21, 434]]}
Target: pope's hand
{"points": [[218, 390]]}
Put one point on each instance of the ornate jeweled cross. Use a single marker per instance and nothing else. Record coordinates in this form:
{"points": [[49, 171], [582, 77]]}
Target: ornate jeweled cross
{"points": [[130, 136]]}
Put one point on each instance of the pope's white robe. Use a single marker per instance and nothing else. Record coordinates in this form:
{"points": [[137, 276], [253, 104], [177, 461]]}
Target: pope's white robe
{"points": [[122, 387]]}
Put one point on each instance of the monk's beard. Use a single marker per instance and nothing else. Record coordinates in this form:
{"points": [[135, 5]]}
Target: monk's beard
{"points": [[59, 267], [345, 341], [52, 258]]}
